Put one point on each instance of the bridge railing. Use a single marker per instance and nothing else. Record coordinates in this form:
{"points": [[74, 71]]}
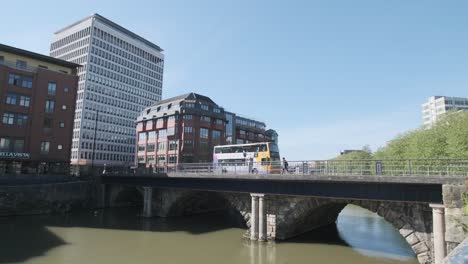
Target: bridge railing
{"points": [[414, 167]]}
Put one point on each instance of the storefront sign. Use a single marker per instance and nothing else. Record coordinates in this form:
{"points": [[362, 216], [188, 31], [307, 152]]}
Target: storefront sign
{"points": [[14, 155]]}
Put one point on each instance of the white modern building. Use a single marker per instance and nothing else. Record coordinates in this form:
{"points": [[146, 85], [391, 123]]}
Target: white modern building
{"points": [[122, 74], [438, 105]]}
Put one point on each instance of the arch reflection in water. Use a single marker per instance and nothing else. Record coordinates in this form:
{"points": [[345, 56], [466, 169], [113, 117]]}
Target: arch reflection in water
{"points": [[371, 234]]}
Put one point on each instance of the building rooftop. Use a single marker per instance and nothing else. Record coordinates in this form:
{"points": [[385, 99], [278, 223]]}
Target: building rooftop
{"points": [[116, 26], [187, 96], [37, 56]]}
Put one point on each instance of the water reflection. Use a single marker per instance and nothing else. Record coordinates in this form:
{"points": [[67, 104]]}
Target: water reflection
{"points": [[118, 236]]}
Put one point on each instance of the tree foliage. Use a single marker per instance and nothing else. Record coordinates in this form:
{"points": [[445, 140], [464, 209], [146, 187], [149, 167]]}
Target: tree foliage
{"points": [[448, 138]]}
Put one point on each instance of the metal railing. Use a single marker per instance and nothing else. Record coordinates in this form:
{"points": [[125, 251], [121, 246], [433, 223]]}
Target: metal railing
{"points": [[413, 167]]}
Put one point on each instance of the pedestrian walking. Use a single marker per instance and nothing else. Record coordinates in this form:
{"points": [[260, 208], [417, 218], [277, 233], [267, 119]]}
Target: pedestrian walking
{"points": [[285, 166]]}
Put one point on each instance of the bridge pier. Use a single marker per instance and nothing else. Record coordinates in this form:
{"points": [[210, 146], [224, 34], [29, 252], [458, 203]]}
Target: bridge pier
{"points": [[258, 218], [147, 201], [438, 222]]}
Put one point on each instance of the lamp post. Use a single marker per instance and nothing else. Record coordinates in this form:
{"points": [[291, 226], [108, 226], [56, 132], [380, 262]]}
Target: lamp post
{"points": [[94, 140]]}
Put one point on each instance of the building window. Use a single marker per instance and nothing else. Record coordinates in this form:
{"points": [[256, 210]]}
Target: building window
{"points": [[188, 129], [188, 117], [8, 118], [11, 98], [52, 88], [26, 82], [149, 125], [150, 159], [142, 136], [161, 159], [5, 144], [172, 159], [205, 118], [152, 135], [45, 147], [21, 64], [188, 144], [19, 145], [162, 133], [2, 59], [219, 122], [64, 107], [21, 119], [171, 131], [159, 122], [141, 148], [189, 105], [150, 148], [204, 107], [216, 134], [161, 146], [59, 147], [47, 123], [50, 105], [65, 89], [172, 145], [203, 132], [216, 110], [25, 100], [62, 124], [14, 79]]}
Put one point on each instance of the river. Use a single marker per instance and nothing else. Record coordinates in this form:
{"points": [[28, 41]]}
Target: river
{"points": [[117, 236]]}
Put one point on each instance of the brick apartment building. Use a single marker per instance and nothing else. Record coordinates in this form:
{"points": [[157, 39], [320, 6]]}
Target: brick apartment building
{"points": [[185, 128], [37, 104]]}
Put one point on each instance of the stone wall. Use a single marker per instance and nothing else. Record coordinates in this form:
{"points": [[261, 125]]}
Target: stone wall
{"points": [[455, 219], [46, 198]]}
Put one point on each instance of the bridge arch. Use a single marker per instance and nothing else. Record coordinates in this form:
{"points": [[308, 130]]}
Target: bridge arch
{"points": [[119, 196], [413, 221], [184, 202]]}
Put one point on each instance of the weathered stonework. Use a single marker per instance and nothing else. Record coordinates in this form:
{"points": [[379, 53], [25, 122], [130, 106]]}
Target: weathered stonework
{"points": [[46, 198], [454, 214]]}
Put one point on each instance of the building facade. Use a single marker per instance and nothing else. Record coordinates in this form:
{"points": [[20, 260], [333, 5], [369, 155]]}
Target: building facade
{"points": [[37, 105], [184, 129], [438, 105], [122, 74]]}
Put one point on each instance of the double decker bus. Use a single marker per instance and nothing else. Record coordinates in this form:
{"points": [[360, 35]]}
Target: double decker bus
{"points": [[262, 158]]}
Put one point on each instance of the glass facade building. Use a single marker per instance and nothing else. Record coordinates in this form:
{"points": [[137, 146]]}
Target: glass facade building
{"points": [[121, 74]]}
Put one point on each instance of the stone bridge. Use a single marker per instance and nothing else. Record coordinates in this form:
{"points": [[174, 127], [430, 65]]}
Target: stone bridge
{"points": [[427, 212]]}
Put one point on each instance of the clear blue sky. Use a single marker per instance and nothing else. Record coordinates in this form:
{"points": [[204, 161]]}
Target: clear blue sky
{"points": [[327, 75]]}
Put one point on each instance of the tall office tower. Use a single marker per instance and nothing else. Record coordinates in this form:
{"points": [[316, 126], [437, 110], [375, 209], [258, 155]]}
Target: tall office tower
{"points": [[438, 105], [122, 74]]}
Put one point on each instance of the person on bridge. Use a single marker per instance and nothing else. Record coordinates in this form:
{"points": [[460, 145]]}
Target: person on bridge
{"points": [[285, 166]]}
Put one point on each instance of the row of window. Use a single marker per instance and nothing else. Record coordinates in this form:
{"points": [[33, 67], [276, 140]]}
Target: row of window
{"points": [[104, 137], [10, 118], [103, 156], [17, 145], [250, 123], [20, 80], [122, 95], [70, 38], [127, 46], [125, 88], [149, 85], [112, 102], [74, 54], [163, 133], [75, 45], [161, 159], [120, 58], [18, 99]]}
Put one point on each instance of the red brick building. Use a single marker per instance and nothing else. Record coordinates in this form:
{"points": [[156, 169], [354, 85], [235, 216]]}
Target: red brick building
{"points": [[37, 104], [184, 129]]}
